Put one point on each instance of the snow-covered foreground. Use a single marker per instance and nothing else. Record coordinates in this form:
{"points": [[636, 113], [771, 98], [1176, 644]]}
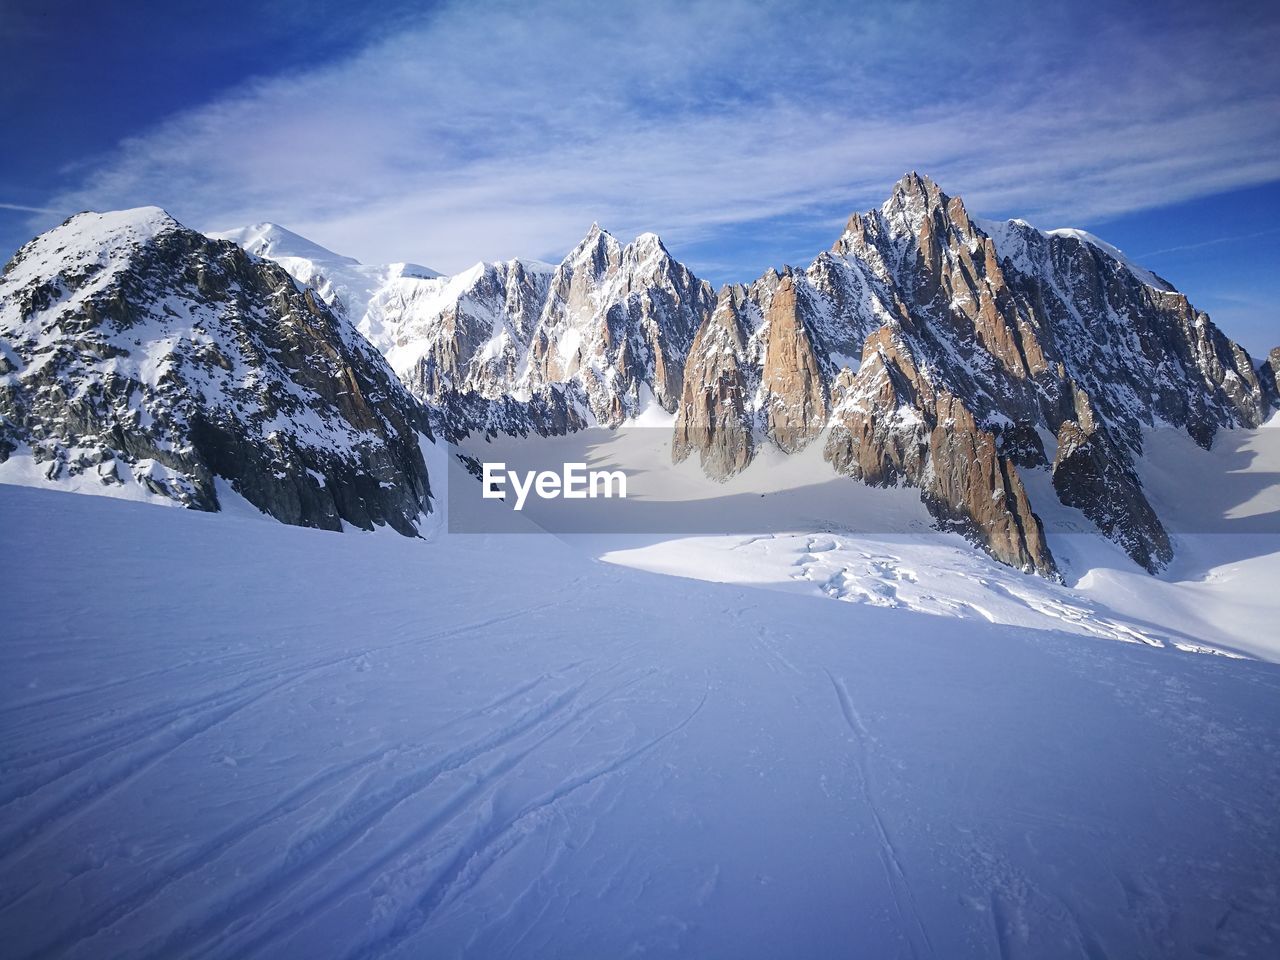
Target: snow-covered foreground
{"points": [[227, 737]]}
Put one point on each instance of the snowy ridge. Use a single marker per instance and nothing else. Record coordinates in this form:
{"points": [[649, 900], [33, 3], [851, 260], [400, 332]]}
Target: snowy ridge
{"points": [[1143, 274], [354, 289], [274, 242], [1010, 240], [611, 323]]}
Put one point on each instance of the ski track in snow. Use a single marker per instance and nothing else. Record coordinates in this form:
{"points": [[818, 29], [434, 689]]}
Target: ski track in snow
{"points": [[351, 823], [895, 876], [490, 840], [308, 744]]}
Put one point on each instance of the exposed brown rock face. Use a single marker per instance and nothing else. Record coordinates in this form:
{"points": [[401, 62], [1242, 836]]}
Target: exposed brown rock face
{"points": [[764, 363], [715, 417], [980, 492], [957, 279], [891, 426], [795, 393], [1013, 317], [144, 352], [1018, 323]]}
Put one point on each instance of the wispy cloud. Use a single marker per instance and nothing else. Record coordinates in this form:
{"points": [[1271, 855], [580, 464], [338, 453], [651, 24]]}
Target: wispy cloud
{"points": [[1215, 242], [25, 208], [502, 130]]}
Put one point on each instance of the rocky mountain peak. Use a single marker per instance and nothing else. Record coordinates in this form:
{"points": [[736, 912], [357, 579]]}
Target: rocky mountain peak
{"points": [[152, 361], [1269, 377], [912, 200], [649, 241], [597, 251], [963, 343], [87, 243], [617, 320]]}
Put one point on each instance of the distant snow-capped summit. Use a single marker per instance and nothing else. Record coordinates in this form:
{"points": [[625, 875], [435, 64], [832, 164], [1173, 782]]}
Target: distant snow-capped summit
{"points": [[275, 242], [345, 284]]}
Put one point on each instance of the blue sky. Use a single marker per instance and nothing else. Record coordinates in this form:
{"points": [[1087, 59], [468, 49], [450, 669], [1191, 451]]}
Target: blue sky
{"points": [[744, 133]]}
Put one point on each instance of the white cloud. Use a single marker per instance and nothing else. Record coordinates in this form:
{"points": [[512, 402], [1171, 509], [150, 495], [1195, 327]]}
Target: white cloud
{"points": [[489, 132], [25, 208]]}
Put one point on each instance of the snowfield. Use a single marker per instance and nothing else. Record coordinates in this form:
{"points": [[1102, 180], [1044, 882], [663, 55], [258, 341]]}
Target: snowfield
{"points": [[225, 737]]}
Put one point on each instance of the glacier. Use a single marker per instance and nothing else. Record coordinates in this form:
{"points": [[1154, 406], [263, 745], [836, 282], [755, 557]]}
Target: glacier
{"points": [[227, 737]]}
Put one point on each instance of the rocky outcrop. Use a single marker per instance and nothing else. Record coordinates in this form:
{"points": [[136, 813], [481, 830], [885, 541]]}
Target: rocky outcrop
{"points": [[552, 412], [891, 426], [1020, 324], [716, 417], [1014, 319], [1269, 376], [469, 335], [792, 382], [140, 352], [764, 363], [1093, 475]]}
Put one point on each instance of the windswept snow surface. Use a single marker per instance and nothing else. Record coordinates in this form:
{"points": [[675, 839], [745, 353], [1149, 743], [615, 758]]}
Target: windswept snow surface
{"points": [[225, 737], [1221, 506]]}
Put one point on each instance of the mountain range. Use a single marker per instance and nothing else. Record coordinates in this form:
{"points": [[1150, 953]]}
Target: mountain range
{"points": [[925, 348]]}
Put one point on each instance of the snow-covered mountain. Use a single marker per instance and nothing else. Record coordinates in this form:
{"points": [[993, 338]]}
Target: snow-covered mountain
{"points": [[618, 321], [925, 348], [138, 357], [983, 350], [594, 339], [355, 290], [964, 358]]}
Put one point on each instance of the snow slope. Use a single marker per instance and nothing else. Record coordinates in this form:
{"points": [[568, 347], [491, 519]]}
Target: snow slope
{"points": [[1084, 236], [1008, 236], [218, 742]]}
